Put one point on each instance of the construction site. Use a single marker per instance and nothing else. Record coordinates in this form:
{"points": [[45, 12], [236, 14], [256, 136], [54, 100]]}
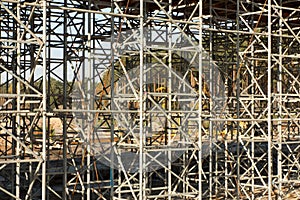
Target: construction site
{"points": [[149, 99]]}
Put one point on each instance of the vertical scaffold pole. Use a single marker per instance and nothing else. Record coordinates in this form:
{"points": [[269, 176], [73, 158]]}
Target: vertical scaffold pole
{"points": [[279, 90], [200, 104], [18, 120], [141, 76], [169, 90], [65, 145], [112, 105], [44, 57], [238, 65], [269, 101], [90, 105]]}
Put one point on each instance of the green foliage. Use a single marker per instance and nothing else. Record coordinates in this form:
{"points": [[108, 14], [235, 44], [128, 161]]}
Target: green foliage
{"points": [[54, 93]]}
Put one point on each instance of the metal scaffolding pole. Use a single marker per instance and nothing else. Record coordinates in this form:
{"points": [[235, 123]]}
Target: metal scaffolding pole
{"points": [[149, 99]]}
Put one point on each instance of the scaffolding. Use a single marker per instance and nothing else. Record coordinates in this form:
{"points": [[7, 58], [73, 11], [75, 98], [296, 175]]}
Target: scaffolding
{"points": [[155, 99]]}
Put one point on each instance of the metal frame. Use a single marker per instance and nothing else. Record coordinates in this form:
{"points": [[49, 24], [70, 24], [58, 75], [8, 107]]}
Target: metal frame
{"points": [[218, 119]]}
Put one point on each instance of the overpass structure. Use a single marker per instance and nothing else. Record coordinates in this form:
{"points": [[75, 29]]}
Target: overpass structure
{"points": [[154, 99]]}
